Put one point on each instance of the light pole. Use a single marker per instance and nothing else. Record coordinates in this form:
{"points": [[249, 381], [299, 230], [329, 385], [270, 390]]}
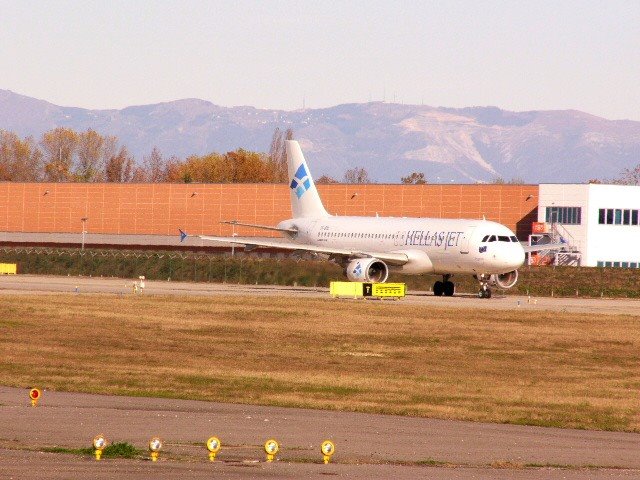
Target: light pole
{"points": [[84, 229], [233, 245]]}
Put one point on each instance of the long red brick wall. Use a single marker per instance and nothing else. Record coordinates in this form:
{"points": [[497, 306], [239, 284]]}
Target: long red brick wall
{"points": [[160, 209]]}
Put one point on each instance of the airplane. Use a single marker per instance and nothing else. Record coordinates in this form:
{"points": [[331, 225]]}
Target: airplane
{"points": [[369, 248]]}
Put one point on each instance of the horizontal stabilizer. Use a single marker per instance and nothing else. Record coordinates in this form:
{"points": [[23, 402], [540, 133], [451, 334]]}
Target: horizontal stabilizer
{"points": [[262, 227]]}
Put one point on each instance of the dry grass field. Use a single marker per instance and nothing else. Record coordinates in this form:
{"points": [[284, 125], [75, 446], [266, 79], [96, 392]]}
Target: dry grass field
{"points": [[552, 369]]}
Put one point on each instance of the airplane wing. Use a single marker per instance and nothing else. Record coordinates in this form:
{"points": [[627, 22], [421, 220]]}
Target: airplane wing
{"points": [[388, 257]]}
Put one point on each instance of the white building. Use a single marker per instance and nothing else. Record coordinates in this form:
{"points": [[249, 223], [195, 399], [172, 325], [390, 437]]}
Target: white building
{"points": [[602, 222]]}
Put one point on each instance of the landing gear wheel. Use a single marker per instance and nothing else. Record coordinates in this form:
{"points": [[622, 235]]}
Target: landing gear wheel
{"points": [[438, 288], [484, 293], [449, 289]]}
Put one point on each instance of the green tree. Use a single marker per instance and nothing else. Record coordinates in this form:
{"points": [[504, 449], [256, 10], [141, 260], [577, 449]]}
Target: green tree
{"points": [[90, 165], [356, 175], [59, 148], [415, 178], [120, 167], [325, 179], [20, 160], [629, 176]]}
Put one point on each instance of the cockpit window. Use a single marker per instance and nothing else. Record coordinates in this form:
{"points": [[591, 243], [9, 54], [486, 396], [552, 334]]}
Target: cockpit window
{"points": [[492, 238], [514, 239], [503, 238], [485, 238]]}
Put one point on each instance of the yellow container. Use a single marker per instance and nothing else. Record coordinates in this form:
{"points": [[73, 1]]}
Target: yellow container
{"points": [[8, 268], [385, 290], [346, 289], [362, 289]]}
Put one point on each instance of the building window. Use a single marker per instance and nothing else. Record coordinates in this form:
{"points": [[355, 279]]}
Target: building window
{"points": [[565, 215], [619, 264], [618, 216]]}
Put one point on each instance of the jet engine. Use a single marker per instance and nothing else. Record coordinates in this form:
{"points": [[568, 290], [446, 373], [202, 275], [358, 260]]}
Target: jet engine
{"points": [[505, 280], [367, 270]]}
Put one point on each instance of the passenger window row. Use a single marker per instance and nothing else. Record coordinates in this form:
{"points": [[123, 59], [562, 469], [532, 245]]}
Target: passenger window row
{"points": [[499, 238], [385, 236]]}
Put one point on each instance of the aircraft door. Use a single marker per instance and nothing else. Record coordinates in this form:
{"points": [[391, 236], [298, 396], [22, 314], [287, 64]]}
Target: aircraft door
{"points": [[466, 239], [396, 239]]}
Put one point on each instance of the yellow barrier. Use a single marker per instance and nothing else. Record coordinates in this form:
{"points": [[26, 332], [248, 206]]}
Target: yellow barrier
{"points": [[362, 290], [8, 268]]}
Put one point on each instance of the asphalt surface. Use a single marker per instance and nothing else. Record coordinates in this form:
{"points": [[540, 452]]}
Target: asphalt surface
{"points": [[367, 446], [39, 284]]}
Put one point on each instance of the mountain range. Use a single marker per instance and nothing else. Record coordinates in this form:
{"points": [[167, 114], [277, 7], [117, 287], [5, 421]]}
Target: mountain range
{"points": [[465, 145]]}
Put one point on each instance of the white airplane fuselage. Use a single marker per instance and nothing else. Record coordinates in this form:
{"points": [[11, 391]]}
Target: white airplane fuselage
{"points": [[433, 245], [368, 248]]}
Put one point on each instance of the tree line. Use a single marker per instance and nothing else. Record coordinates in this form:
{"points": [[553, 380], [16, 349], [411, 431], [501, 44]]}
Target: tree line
{"points": [[65, 155]]}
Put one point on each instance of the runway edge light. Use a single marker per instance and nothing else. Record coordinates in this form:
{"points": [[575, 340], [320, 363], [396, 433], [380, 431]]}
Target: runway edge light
{"points": [[213, 445], [327, 448], [99, 444], [271, 448], [34, 395], [155, 445]]}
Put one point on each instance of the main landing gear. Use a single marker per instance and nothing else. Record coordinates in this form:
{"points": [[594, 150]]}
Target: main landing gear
{"points": [[444, 287], [485, 291]]}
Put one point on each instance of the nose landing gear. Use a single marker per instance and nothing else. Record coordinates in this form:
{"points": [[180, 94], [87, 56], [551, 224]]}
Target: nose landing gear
{"points": [[444, 287], [485, 291]]}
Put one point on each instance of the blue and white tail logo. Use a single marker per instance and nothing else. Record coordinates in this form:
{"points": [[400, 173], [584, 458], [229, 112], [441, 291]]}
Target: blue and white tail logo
{"points": [[305, 201], [301, 182]]}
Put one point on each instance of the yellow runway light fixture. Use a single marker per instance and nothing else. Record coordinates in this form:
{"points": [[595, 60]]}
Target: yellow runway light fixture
{"points": [[271, 448], [155, 445], [99, 444], [34, 395], [327, 449], [213, 445]]}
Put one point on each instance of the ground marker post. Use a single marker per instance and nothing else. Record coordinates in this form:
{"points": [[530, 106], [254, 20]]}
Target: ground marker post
{"points": [[271, 448], [99, 444], [213, 445], [327, 449], [34, 395]]}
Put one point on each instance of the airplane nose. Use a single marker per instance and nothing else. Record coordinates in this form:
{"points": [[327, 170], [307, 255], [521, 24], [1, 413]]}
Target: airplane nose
{"points": [[517, 258]]}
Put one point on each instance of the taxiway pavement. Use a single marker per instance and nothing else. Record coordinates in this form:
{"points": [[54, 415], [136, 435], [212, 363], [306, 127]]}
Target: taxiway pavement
{"points": [[367, 445]]}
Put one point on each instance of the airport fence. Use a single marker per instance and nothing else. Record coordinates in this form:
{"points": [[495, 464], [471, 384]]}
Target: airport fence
{"points": [[244, 268]]}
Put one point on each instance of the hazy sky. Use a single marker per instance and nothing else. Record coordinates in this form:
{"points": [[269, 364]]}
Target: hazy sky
{"points": [[518, 55]]}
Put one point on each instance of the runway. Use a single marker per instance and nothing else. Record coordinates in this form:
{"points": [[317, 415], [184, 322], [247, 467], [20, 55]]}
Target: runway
{"points": [[52, 284], [367, 446]]}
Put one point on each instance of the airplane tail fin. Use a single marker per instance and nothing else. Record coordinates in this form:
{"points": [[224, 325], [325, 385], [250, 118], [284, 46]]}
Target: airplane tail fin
{"points": [[305, 201]]}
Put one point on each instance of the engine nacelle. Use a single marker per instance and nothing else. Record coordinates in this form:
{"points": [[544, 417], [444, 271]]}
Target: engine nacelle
{"points": [[505, 280], [367, 270]]}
